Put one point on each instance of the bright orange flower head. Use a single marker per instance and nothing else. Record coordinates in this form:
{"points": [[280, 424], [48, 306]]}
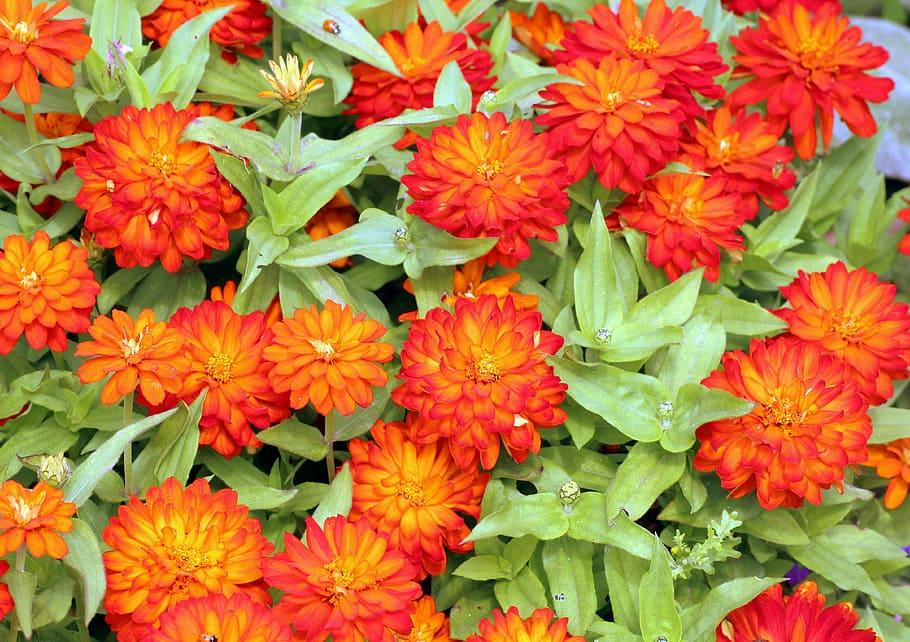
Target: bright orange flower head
{"points": [[179, 544], [539, 30], [144, 353], [337, 216], [45, 292], [346, 580], [216, 617], [892, 462], [511, 627], [420, 54], [34, 517], [239, 32], [769, 6], [775, 617], [414, 492], [228, 292], [671, 42], [744, 149], [225, 355], [617, 122], [7, 604], [427, 624], [688, 219], [808, 424], [480, 376], [32, 42], [329, 358], [853, 315], [151, 196], [485, 176], [806, 66]]}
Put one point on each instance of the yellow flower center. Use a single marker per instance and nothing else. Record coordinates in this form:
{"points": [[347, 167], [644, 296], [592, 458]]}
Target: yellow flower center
{"points": [[341, 577], [411, 64], [208, 637], [488, 168], [646, 45], [23, 510], [21, 32], [845, 325], [484, 368], [323, 348], [132, 348], [29, 280], [188, 559], [613, 100], [815, 53], [783, 409], [162, 162], [726, 147], [219, 367], [423, 633], [686, 209], [412, 493]]}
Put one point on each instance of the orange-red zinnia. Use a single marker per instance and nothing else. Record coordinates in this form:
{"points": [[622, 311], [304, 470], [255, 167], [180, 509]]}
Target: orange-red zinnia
{"points": [[334, 217], [428, 625], [892, 462], [34, 517], [511, 627], [769, 6], [539, 32], [7, 604]]}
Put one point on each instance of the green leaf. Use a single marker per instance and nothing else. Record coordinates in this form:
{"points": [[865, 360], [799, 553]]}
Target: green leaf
{"points": [[695, 406], [438, 11], [264, 497], [741, 317], [84, 558], [646, 472], [599, 298], [519, 550], [115, 20], [22, 586], [698, 353], [295, 437], [632, 342], [658, 616], [484, 567], [337, 500], [861, 545], [778, 527], [53, 605], [236, 473], [539, 515], [568, 564], [313, 189], [453, 89], [263, 250], [889, 424], [777, 233], [701, 620], [118, 285], [624, 574], [526, 592], [15, 162], [670, 305], [29, 441], [185, 289], [172, 449], [521, 88], [378, 236], [259, 148], [588, 519], [826, 558], [362, 419], [430, 246]]}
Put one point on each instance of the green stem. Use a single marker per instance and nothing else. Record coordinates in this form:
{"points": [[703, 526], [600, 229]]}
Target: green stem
{"points": [[20, 568], [276, 37], [296, 121], [32, 129], [80, 620], [329, 450], [128, 451], [14, 628]]}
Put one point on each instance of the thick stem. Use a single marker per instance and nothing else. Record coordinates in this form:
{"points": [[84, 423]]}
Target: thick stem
{"points": [[20, 568], [32, 129], [128, 451], [329, 441], [296, 120], [276, 37]]}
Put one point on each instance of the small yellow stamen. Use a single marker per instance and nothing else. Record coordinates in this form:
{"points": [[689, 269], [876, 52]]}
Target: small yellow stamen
{"points": [[411, 64], [21, 32], [412, 492], [23, 510], [162, 163], [220, 367], [613, 100], [488, 168], [29, 280], [188, 559], [323, 348], [647, 44], [341, 577], [132, 347], [485, 368]]}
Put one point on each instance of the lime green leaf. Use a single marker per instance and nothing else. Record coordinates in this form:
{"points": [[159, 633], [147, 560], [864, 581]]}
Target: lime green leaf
{"points": [[599, 299], [778, 233], [777, 526], [453, 89], [568, 564], [264, 248], [313, 189], [519, 550], [378, 236], [611, 632], [236, 82], [697, 354], [429, 246], [624, 574], [588, 518], [172, 449], [644, 474], [670, 305], [658, 616], [634, 341], [84, 558], [521, 88], [499, 42], [539, 515], [741, 317], [861, 545], [337, 500], [826, 558], [526, 592], [295, 437], [263, 497], [484, 567], [22, 586], [701, 620], [15, 162], [438, 11], [185, 289], [362, 419], [53, 605], [236, 473], [118, 285], [115, 21], [259, 148], [889, 424], [430, 287], [697, 405]]}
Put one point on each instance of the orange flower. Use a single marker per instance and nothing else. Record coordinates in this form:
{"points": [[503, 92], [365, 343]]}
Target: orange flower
{"points": [[328, 358], [774, 617], [744, 149], [420, 54], [150, 195], [346, 581], [892, 461], [427, 624], [143, 352], [216, 617], [617, 121], [414, 492], [808, 424], [488, 177], [239, 32], [225, 355], [179, 544], [511, 627], [805, 65], [31, 41], [670, 42], [7, 604], [853, 315], [228, 292], [536, 32], [34, 517], [337, 216], [768, 6], [479, 376], [688, 219], [45, 292]]}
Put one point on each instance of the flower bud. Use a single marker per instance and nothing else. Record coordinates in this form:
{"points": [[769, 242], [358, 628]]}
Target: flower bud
{"points": [[569, 493], [54, 469]]}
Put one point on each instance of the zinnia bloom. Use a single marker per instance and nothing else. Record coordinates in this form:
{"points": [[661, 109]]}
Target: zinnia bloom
{"points": [[809, 423], [216, 617], [486, 176], [539, 30], [239, 32], [480, 375], [744, 149], [892, 462], [420, 54], [346, 580], [775, 617], [228, 292], [428, 625], [414, 492], [7, 604], [32, 42], [151, 196], [671, 42], [179, 544], [806, 66], [45, 292], [769, 6], [688, 219], [853, 315], [336, 216], [34, 517], [511, 627], [617, 121], [225, 356], [904, 246], [144, 353]]}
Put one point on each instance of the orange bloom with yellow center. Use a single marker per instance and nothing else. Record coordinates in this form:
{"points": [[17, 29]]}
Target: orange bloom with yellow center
{"points": [[744, 149], [34, 517], [480, 376], [805, 66], [617, 122], [33, 42], [228, 292], [346, 581], [671, 42], [329, 358], [218, 618], [808, 424], [144, 353], [239, 32], [688, 219], [511, 627], [536, 32], [486, 176], [803, 616], [336, 216], [853, 315], [225, 356], [892, 462], [149, 195], [414, 492], [427, 624], [7, 604], [420, 55], [45, 292], [179, 544]]}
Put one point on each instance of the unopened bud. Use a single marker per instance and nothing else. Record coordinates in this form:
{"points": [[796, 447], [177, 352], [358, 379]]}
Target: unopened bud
{"points": [[54, 469], [569, 493]]}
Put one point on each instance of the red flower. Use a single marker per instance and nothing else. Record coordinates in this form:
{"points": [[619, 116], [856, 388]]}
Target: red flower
{"points": [[769, 6], [6, 600]]}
